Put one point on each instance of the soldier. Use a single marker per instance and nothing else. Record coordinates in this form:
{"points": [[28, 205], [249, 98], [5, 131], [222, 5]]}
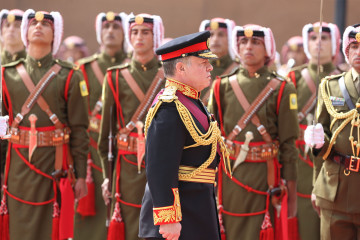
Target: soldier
{"points": [[91, 211], [220, 44], [73, 49], [179, 200], [306, 80], [10, 36], [273, 129], [49, 143], [335, 139], [128, 91], [292, 55]]}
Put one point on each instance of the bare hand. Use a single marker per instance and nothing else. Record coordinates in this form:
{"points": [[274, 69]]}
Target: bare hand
{"points": [[105, 191], [313, 202], [292, 199], [170, 231], [80, 188]]}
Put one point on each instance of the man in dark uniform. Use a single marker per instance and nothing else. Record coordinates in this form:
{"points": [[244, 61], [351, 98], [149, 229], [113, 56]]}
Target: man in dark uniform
{"points": [[10, 35], [244, 200], [91, 211], [306, 80], [48, 135], [179, 200], [220, 44], [128, 91], [335, 138]]}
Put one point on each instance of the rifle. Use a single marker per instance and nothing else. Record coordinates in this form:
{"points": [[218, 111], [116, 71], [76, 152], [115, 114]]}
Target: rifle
{"points": [[110, 169]]}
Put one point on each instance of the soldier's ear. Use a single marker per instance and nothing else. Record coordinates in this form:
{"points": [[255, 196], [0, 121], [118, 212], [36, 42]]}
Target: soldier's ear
{"points": [[180, 67]]}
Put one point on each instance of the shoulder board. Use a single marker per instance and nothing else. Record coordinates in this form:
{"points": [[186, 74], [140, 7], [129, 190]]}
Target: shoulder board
{"points": [[278, 76], [88, 59], [234, 71], [169, 94], [66, 64], [121, 66], [299, 68], [13, 64], [334, 77]]}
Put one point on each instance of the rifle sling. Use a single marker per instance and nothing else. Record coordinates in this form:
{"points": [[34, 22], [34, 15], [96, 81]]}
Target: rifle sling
{"points": [[145, 104], [132, 84]]}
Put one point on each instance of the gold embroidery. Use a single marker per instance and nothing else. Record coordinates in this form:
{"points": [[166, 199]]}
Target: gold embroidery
{"points": [[184, 89], [169, 214]]}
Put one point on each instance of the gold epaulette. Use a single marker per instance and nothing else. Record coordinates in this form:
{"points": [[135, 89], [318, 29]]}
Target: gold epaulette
{"points": [[169, 94], [121, 66]]}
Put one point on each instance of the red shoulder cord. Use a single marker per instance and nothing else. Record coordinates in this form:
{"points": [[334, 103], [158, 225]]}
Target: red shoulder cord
{"points": [[282, 86], [67, 84], [218, 103], [292, 77], [116, 95]]}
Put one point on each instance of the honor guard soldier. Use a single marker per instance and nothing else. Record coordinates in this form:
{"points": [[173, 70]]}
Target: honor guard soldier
{"points": [[45, 99], [91, 211], [10, 35], [306, 80], [128, 92], [73, 49], [292, 55], [257, 111], [335, 139], [179, 200], [220, 44]]}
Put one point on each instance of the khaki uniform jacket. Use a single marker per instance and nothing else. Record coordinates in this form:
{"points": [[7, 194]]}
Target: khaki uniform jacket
{"points": [[309, 222], [282, 127], [6, 57], [35, 222], [94, 227], [132, 184], [333, 189]]}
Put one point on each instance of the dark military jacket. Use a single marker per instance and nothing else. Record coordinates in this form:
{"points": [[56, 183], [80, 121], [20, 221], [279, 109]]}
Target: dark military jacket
{"points": [[335, 190], [35, 222], [279, 117], [166, 138], [6, 57], [132, 184]]}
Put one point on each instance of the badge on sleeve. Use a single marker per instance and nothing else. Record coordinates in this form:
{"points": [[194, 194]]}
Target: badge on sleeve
{"points": [[83, 88], [293, 101]]}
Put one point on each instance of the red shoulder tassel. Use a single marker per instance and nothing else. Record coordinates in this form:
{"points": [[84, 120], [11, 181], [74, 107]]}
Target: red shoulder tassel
{"points": [[4, 220], [293, 229], [222, 229], [117, 226], [55, 222], [86, 205], [267, 231]]}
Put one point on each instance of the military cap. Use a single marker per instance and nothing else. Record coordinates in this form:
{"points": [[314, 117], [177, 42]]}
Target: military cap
{"points": [[196, 44]]}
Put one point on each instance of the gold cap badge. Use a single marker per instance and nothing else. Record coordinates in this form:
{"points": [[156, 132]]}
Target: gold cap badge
{"points": [[39, 16], [110, 16], [214, 25], [316, 29], [10, 18], [248, 32], [208, 43], [139, 20], [357, 37], [293, 47]]}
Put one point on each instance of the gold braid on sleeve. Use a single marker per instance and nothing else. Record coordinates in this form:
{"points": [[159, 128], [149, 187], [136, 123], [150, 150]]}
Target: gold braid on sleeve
{"points": [[347, 116]]}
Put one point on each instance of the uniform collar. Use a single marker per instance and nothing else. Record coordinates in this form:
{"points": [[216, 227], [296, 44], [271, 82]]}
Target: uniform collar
{"points": [[147, 66], [44, 62], [354, 74], [327, 67], [183, 88], [261, 71], [221, 62], [117, 58]]}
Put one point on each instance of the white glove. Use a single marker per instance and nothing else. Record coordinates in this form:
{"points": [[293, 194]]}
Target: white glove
{"points": [[314, 136], [3, 125]]}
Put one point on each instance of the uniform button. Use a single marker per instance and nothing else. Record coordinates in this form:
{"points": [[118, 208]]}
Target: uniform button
{"points": [[215, 184], [216, 169]]}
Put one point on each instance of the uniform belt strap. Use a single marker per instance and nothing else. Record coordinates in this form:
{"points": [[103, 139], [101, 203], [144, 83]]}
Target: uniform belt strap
{"points": [[145, 103], [132, 84], [35, 93], [345, 93], [247, 108], [97, 71]]}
